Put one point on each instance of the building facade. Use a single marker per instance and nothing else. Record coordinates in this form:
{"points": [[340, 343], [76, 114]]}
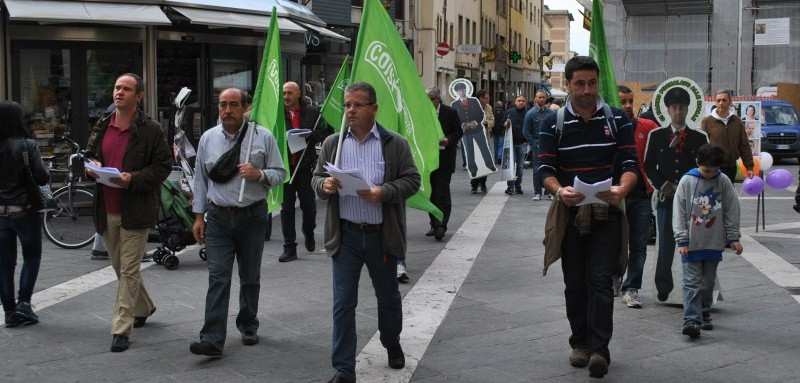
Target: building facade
{"points": [[559, 22]]}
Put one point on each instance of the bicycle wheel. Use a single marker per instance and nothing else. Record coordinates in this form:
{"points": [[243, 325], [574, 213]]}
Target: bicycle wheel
{"points": [[71, 224]]}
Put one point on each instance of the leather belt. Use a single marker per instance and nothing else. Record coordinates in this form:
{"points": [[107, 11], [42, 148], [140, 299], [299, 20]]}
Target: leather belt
{"points": [[6, 210], [237, 208], [363, 227]]}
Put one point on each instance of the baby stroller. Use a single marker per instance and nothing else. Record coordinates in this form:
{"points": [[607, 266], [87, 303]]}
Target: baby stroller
{"points": [[175, 226]]}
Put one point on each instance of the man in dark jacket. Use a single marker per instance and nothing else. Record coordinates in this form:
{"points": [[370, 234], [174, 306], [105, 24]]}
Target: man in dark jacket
{"points": [[670, 153], [440, 178], [133, 143], [300, 115], [517, 117], [499, 131]]}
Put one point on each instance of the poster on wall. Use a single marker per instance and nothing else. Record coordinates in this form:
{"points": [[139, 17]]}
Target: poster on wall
{"points": [[772, 31], [474, 142]]}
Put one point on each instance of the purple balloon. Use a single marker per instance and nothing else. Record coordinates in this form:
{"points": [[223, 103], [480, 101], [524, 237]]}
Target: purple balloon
{"points": [[779, 179], [753, 186]]}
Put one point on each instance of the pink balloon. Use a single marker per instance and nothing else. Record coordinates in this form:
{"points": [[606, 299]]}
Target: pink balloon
{"points": [[753, 186], [779, 179]]}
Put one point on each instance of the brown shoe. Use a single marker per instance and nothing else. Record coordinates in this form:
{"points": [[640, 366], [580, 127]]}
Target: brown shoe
{"points": [[598, 366], [579, 358]]}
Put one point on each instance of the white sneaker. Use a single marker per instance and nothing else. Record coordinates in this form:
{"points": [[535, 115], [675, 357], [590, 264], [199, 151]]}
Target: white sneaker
{"points": [[631, 299], [536, 197], [402, 274]]}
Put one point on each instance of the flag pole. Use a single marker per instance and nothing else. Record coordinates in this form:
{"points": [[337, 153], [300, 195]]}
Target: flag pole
{"points": [[304, 152], [341, 139], [251, 131]]}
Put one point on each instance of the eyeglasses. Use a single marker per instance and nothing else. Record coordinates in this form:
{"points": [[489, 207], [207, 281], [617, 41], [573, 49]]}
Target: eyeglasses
{"points": [[232, 105], [355, 105]]}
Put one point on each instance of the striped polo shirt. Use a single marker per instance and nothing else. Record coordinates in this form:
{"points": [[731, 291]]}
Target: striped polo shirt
{"points": [[592, 150], [366, 156]]}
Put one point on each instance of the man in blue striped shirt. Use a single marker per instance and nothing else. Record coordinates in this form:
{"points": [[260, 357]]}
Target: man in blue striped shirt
{"points": [[594, 143], [366, 229]]}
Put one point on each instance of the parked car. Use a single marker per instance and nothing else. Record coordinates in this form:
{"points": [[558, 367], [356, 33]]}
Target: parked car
{"points": [[780, 130]]}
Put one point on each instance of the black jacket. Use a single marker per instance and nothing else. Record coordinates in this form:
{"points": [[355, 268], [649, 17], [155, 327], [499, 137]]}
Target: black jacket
{"points": [[149, 161], [451, 126], [663, 163], [308, 117], [517, 118], [14, 178]]}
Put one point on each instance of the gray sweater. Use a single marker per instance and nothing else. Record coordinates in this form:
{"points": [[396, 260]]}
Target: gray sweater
{"points": [[705, 215]]}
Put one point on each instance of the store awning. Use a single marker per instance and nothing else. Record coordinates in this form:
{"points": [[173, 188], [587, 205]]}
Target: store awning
{"points": [[54, 11], [221, 19], [325, 32], [284, 8]]}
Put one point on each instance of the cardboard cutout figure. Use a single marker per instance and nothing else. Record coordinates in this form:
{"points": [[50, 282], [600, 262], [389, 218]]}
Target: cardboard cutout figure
{"points": [[475, 144]]}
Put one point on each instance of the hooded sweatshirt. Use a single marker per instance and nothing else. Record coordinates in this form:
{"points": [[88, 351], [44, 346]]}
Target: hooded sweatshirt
{"points": [[705, 216]]}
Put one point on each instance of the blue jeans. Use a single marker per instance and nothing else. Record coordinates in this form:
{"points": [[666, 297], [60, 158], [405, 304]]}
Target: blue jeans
{"points": [[498, 148], [638, 211], [666, 247], [28, 228], [233, 234], [698, 289], [359, 248], [519, 157]]}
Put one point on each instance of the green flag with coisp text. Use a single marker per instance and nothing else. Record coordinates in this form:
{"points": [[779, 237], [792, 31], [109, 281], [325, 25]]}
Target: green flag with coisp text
{"points": [[268, 102], [332, 109], [598, 49], [383, 60]]}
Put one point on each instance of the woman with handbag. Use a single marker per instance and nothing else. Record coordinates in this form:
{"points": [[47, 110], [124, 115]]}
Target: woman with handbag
{"points": [[20, 200]]}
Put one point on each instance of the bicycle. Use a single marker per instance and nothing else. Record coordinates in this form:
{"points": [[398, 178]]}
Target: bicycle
{"points": [[69, 224]]}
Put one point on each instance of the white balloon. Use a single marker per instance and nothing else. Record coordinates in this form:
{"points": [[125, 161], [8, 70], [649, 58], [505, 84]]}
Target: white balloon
{"points": [[766, 161]]}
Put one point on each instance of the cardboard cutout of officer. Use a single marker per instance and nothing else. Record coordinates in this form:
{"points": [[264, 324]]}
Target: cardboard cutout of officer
{"points": [[475, 144]]}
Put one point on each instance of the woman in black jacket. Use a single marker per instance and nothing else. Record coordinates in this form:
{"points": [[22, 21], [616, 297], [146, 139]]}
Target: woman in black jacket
{"points": [[19, 201]]}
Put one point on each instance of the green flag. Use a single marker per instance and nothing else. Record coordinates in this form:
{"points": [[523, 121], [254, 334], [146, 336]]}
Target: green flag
{"points": [[382, 60], [333, 107], [268, 102], [599, 51]]}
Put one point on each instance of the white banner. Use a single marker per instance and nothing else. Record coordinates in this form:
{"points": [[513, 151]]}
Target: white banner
{"points": [[509, 165]]}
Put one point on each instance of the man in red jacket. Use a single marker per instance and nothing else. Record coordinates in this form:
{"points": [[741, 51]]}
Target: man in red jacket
{"points": [[637, 206]]}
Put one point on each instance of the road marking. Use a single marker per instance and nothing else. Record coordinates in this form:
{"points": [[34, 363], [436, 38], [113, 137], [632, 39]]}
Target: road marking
{"points": [[783, 273], [766, 198], [426, 305], [775, 235], [83, 284]]}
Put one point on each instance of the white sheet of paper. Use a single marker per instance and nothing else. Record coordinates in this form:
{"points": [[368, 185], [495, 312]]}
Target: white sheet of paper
{"points": [[591, 190], [350, 180], [104, 174], [297, 139]]}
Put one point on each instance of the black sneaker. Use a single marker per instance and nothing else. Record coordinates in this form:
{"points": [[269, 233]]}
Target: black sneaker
{"points": [[249, 338], [474, 190], [120, 343], [311, 244], [289, 254], [518, 191], [707, 325], [598, 366], [692, 330], [98, 255], [510, 191], [204, 348], [397, 359], [12, 319], [25, 314], [139, 322], [439, 233]]}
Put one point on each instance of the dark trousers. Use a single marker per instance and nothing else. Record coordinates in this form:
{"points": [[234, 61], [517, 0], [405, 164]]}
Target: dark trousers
{"points": [[478, 182], [639, 212], [666, 247], [233, 234], [589, 263], [472, 139], [730, 171], [498, 147], [440, 195], [519, 157], [359, 248], [28, 228], [308, 205], [537, 175]]}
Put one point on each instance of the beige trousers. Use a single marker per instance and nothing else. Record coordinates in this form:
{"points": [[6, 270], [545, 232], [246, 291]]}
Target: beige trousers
{"points": [[126, 248]]}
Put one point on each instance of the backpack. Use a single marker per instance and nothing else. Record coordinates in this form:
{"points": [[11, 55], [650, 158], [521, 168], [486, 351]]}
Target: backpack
{"points": [[607, 113]]}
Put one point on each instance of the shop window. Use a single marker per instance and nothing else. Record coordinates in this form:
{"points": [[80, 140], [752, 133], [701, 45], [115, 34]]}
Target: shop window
{"points": [[45, 85], [103, 66]]}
